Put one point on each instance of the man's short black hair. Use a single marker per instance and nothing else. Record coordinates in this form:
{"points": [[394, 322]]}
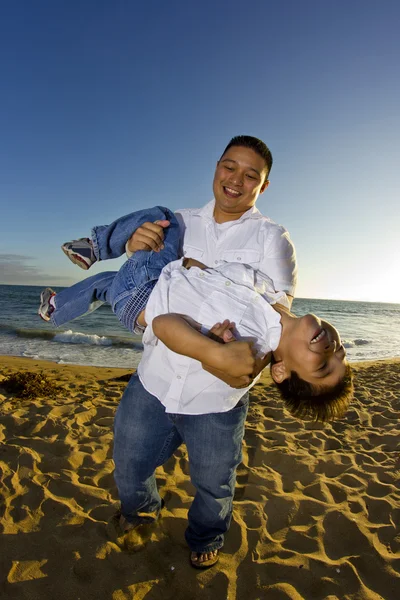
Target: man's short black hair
{"points": [[318, 403], [248, 141]]}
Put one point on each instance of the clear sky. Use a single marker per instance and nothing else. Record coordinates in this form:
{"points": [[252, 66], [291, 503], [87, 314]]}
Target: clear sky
{"points": [[110, 106]]}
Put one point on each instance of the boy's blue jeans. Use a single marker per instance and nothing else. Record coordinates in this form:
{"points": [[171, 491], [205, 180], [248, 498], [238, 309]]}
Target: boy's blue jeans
{"points": [[145, 436], [128, 289]]}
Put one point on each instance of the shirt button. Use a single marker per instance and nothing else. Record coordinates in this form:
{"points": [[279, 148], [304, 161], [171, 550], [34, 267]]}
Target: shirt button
{"points": [[239, 258], [227, 283], [201, 274], [215, 262], [178, 377]]}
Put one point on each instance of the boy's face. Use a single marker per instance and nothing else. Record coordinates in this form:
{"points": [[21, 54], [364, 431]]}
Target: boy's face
{"points": [[240, 177], [314, 350]]}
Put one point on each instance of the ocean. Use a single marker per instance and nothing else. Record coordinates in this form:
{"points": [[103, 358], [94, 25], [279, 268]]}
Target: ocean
{"points": [[369, 330]]}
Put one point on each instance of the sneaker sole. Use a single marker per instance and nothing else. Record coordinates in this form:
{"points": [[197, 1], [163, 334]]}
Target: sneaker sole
{"points": [[47, 319], [40, 310], [75, 258]]}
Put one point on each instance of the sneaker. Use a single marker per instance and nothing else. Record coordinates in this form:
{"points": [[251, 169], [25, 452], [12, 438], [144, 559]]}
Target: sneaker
{"points": [[45, 308], [80, 252]]}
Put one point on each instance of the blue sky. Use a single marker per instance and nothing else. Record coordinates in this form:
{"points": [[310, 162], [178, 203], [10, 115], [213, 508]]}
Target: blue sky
{"points": [[107, 107]]}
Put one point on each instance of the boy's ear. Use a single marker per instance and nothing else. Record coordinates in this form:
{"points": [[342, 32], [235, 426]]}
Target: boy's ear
{"points": [[279, 372]]}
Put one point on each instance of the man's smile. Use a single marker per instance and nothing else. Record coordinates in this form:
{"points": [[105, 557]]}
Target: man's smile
{"points": [[231, 192]]}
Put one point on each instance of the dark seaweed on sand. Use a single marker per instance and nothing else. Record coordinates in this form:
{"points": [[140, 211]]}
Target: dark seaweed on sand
{"points": [[27, 385]]}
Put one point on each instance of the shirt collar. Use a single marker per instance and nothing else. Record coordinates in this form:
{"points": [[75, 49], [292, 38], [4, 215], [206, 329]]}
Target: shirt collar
{"points": [[207, 212]]}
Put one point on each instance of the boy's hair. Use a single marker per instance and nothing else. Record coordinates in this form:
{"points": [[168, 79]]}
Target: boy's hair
{"points": [[318, 403], [248, 141]]}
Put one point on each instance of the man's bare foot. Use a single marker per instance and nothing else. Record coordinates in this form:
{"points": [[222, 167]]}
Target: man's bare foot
{"points": [[204, 560]]}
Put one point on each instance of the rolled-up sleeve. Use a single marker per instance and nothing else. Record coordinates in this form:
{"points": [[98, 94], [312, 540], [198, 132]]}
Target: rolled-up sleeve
{"points": [[279, 261]]}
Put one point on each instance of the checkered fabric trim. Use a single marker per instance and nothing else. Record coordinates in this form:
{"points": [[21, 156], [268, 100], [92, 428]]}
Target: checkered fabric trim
{"points": [[136, 303]]}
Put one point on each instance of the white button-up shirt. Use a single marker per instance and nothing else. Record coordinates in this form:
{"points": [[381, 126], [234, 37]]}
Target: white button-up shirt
{"points": [[208, 296], [253, 240]]}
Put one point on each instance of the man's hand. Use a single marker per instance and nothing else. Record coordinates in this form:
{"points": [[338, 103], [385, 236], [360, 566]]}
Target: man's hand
{"points": [[234, 382], [188, 263], [149, 236], [223, 332], [235, 360]]}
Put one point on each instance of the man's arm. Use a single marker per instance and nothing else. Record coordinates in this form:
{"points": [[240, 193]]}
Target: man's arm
{"points": [[279, 262], [182, 335]]}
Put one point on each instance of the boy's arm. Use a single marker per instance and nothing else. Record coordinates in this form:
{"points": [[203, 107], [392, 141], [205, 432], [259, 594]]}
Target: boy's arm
{"points": [[182, 335]]}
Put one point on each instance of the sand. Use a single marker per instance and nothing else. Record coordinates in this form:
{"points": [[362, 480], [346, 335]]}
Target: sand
{"points": [[316, 513]]}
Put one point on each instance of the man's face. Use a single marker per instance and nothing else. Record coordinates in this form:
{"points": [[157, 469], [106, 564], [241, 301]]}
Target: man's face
{"points": [[315, 352], [240, 177]]}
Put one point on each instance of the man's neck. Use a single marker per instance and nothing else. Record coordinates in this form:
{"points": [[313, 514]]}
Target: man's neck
{"points": [[221, 217]]}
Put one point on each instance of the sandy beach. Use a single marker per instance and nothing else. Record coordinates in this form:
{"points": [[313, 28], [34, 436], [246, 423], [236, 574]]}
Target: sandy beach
{"points": [[317, 507]]}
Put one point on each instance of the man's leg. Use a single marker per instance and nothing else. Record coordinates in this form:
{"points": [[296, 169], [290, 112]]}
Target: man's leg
{"points": [[214, 443], [81, 298], [144, 438]]}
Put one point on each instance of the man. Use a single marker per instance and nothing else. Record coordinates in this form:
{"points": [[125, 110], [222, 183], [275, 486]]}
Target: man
{"points": [[149, 424]]}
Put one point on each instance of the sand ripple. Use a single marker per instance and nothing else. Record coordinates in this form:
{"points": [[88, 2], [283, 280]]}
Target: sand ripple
{"points": [[317, 508]]}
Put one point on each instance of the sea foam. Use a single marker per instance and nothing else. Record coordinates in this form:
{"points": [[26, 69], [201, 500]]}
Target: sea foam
{"points": [[74, 337]]}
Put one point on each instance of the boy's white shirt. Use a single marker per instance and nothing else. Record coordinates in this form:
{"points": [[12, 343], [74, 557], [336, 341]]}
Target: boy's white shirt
{"points": [[231, 291], [253, 239]]}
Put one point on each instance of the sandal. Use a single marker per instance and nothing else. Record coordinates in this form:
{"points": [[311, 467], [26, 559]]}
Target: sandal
{"points": [[205, 564]]}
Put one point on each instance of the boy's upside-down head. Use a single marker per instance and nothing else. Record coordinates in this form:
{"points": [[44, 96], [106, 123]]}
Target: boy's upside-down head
{"points": [[310, 368]]}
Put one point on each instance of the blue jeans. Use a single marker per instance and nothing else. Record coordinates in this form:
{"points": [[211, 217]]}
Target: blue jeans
{"points": [[145, 436], [128, 289]]}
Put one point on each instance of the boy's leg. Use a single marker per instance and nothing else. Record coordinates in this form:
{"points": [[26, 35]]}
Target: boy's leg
{"points": [[214, 443], [81, 298], [135, 280], [144, 438], [109, 240], [127, 290]]}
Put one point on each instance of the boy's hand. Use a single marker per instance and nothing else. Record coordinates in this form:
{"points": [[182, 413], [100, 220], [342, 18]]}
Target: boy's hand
{"points": [[149, 236]]}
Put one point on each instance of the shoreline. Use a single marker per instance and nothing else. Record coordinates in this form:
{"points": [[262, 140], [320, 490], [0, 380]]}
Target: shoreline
{"points": [[23, 361], [315, 512]]}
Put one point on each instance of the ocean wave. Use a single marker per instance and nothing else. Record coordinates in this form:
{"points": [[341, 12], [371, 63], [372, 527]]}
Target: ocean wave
{"points": [[356, 342], [71, 337], [75, 337]]}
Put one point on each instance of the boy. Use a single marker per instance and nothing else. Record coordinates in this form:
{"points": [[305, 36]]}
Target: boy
{"points": [[308, 362]]}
